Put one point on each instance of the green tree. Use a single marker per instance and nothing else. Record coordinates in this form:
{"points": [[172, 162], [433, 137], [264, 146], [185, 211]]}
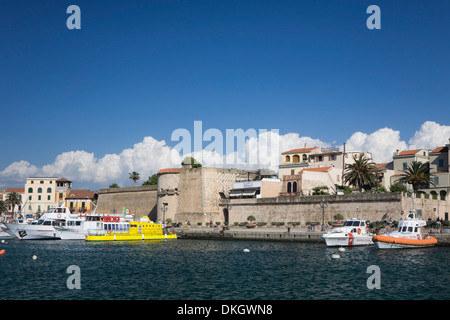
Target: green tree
{"points": [[114, 185], [13, 199], [418, 175], [191, 161], [134, 176], [398, 187], [152, 181], [362, 173], [3, 207]]}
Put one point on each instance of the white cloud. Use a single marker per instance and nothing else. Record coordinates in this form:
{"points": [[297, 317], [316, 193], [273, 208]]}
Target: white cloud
{"points": [[381, 143], [430, 135], [150, 155]]}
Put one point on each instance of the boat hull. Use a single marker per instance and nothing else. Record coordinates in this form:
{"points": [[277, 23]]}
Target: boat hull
{"points": [[32, 232], [346, 240], [130, 237], [388, 242]]}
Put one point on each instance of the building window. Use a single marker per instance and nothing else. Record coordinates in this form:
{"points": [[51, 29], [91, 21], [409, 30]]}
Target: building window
{"points": [[289, 187], [320, 158], [29, 198], [32, 182], [296, 158], [61, 195], [49, 190], [292, 171], [405, 166], [39, 197], [294, 187], [304, 157], [436, 180], [42, 182], [287, 159], [332, 157], [48, 197], [30, 190], [39, 190], [441, 163]]}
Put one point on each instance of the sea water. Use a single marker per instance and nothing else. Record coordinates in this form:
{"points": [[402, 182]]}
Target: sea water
{"points": [[218, 270]]}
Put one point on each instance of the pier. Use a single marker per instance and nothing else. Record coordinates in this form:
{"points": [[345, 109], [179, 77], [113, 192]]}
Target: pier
{"points": [[270, 234]]}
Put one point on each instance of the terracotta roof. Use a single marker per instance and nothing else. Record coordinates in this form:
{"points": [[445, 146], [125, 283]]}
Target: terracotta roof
{"points": [[169, 170], [18, 190], [321, 169], [440, 149], [408, 152], [80, 194], [300, 150], [63, 180]]}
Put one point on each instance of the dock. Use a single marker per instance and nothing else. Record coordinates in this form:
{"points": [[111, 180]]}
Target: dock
{"points": [[269, 234]]}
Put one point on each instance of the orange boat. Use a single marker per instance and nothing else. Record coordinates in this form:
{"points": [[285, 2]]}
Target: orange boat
{"points": [[398, 242], [408, 235]]}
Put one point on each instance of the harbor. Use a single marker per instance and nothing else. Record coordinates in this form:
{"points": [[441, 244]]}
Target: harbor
{"points": [[272, 234]]}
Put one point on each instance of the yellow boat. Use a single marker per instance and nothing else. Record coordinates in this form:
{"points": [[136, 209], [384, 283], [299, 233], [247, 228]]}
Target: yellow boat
{"points": [[138, 230]]}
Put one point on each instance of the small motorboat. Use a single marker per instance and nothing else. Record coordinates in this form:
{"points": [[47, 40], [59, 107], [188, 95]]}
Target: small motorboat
{"points": [[352, 233], [408, 235]]}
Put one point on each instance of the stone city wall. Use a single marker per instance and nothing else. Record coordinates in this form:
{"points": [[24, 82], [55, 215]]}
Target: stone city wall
{"points": [[141, 201]]}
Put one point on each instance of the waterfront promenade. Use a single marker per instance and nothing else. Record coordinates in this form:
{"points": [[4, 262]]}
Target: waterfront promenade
{"points": [[297, 234]]}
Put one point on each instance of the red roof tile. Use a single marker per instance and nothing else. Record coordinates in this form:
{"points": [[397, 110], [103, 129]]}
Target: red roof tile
{"points": [[408, 152], [80, 194], [321, 169], [18, 190], [440, 149], [169, 170], [300, 150]]}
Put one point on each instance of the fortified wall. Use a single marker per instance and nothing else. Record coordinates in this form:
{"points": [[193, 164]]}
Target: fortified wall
{"points": [[303, 209], [194, 194], [141, 201]]}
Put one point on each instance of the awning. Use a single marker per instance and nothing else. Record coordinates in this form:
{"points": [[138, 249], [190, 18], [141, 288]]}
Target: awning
{"points": [[235, 193], [249, 193]]}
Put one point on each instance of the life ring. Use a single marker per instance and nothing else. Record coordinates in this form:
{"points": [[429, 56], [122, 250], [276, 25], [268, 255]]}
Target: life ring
{"points": [[359, 231], [59, 215]]}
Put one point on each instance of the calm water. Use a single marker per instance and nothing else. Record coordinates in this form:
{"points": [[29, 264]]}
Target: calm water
{"points": [[216, 270]]}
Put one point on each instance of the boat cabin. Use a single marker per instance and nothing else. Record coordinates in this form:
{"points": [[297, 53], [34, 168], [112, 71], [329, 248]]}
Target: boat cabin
{"points": [[352, 226]]}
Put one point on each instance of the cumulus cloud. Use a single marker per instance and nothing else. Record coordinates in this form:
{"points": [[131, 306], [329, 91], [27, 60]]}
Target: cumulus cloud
{"points": [[430, 135], [262, 150], [381, 143]]}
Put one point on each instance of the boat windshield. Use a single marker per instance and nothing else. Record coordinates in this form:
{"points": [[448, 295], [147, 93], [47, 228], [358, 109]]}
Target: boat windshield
{"points": [[353, 223]]}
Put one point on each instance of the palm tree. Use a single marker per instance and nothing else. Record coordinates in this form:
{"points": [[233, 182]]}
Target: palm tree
{"points": [[417, 174], [13, 199], [3, 207], [134, 176], [361, 173]]}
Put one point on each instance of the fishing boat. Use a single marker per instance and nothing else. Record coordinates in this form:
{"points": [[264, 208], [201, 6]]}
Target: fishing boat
{"points": [[143, 229], [352, 233], [408, 235]]}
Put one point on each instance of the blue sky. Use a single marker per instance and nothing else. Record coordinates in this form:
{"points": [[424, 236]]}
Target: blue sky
{"points": [[145, 68]]}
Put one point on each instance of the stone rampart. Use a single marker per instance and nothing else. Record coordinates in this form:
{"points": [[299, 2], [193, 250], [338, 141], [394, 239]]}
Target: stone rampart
{"points": [[141, 201]]}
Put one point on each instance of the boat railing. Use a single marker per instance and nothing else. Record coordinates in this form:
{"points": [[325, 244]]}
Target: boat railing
{"points": [[102, 232]]}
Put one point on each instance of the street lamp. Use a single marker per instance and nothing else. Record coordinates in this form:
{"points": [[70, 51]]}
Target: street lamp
{"points": [[323, 204], [164, 209]]}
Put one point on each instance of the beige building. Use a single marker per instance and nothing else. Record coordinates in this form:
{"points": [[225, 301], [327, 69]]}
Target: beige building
{"points": [[438, 160], [40, 194], [307, 168]]}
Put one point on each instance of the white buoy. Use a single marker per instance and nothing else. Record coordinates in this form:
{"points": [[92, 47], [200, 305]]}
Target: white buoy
{"points": [[335, 256], [246, 250], [341, 249], [34, 257], [3, 241]]}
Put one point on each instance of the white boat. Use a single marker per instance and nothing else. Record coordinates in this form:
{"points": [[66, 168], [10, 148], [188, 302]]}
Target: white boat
{"points": [[408, 235], [352, 233], [3, 232], [46, 227]]}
